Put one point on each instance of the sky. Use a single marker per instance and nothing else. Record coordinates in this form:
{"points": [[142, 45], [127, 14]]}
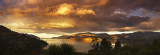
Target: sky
{"points": [[53, 18]]}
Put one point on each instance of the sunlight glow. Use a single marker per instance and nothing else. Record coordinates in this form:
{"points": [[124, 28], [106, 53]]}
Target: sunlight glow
{"points": [[85, 11], [44, 35], [56, 25], [32, 1], [64, 9]]}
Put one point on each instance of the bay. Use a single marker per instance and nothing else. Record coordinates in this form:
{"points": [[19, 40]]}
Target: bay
{"points": [[80, 46]]}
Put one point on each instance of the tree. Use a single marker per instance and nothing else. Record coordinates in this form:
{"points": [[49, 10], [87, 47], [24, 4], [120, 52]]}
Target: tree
{"points": [[106, 47], [63, 49], [117, 47], [54, 50], [67, 49], [106, 44]]}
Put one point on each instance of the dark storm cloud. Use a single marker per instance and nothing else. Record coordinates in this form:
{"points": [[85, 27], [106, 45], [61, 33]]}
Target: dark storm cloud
{"points": [[134, 4], [153, 24], [95, 23]]}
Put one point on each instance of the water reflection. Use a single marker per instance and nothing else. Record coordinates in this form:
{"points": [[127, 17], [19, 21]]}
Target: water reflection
{"points": [[80, 46]]}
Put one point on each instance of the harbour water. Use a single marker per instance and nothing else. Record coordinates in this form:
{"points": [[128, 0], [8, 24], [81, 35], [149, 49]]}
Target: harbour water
{"points": [[80, 46]]}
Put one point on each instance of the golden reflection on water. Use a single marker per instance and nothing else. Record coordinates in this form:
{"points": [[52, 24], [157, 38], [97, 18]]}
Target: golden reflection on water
{"points": [[79, 45], [85, 40]]}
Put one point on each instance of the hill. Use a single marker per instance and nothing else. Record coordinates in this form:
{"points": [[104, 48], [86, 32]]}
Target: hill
{"points": [[85, 35], [130, 38], [13, 43]]}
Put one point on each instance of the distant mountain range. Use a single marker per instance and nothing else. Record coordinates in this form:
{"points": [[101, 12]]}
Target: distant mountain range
{"points": [[136, 37], [83, 35]]}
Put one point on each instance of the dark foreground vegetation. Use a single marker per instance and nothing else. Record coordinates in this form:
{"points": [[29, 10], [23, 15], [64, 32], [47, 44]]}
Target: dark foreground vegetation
{"points": [[13, 43], [105, 48]]}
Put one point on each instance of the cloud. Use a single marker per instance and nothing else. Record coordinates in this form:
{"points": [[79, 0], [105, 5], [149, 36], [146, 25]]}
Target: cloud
{"points": [[85, 11], [151, 25], [69, 16], [67, 9], [64, 9]]}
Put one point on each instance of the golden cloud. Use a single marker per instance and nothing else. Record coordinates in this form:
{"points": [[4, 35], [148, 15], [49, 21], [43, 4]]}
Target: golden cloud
{"points": [[67, 9], [64, 9], [128, 28], [56, 25], [85, 12], [31, 28], [95, 3], [33, 1]]}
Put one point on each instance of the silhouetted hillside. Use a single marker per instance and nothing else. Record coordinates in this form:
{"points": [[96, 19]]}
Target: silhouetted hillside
{"points": [[13, 43], [4, 29], [139, 37]]}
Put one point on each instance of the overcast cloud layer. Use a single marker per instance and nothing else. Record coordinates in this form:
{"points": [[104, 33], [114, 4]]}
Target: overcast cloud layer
{"points": [[69, 16]]}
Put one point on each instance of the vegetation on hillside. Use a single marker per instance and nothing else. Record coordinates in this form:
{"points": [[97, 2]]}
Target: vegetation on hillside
{"points": [[13, 43]]}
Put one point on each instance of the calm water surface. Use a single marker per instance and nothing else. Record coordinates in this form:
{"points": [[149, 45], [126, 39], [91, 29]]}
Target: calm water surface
{"points": [[80, 46]]}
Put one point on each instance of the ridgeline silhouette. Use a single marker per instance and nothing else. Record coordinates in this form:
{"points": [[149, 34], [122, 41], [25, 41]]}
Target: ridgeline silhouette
{"points": [[13, 43]]}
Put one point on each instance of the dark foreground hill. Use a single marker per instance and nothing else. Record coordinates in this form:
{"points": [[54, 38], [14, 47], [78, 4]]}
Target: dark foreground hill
{"points": [[13, 43]]}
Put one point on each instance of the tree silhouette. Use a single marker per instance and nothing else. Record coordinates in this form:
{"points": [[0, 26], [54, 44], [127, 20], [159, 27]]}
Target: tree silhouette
{"points": [[63, 49], [106, 47], [106, 44], [117, 47], [67, 49], [54, 50]]}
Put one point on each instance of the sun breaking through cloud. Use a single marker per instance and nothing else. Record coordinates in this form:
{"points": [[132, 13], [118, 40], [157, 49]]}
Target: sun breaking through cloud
{"points": [[68, 9]]}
